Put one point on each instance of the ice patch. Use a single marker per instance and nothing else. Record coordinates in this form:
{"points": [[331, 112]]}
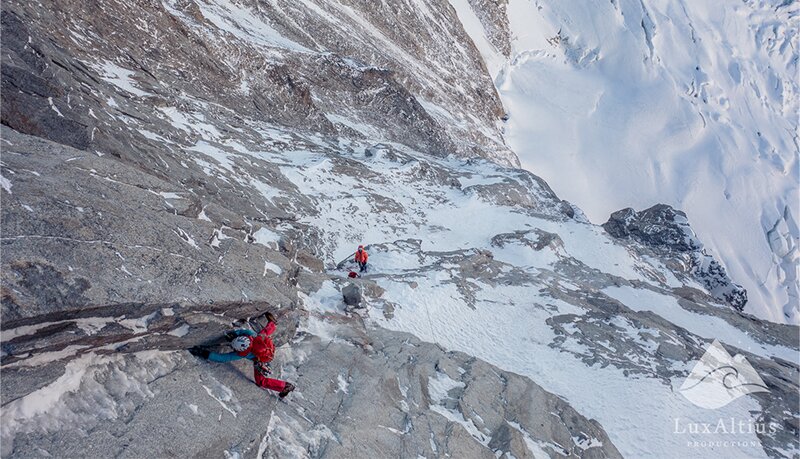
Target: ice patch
{"points": [[47, 357], [6, 184], [92, 325], [440, 385], [202, 215], [186, 238], [181, 331], [120, 77], [219, 155], [472, 25], [536, 447], [321, 329], [89, 326], [271, 267], [438, 388], [138, 325], [469, 426], [266, 237], [343, 384], [247, 25], [287, 438], [325, 300], [53, 107], [223, 395]]}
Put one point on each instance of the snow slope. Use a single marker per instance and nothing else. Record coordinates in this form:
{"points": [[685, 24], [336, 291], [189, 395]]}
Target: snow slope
{"points": [[688, 103], [508, 317]]}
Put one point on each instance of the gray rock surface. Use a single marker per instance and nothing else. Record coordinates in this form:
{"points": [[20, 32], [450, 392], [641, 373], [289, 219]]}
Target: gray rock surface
{"points": [[106, 233], [369, 393], [667, 231], [352, 295], [331, 71]]}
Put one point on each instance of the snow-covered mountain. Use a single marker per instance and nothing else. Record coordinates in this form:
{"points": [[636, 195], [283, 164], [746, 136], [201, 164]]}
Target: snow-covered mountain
{"points": [[689, 103], [169, 169]]}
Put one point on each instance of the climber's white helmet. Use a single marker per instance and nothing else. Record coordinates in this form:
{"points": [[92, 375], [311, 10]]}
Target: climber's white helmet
{"points": [[241, 343]]}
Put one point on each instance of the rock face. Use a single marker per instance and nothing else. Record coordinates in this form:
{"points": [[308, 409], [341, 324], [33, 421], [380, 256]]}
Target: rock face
{"points": [[327, 68], [352, 295], [171, 169], [658, 226], [370, 393], [667, 231], [107, 233]]}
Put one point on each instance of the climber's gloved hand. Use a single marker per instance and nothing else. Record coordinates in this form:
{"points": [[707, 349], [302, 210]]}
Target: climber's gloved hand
{"points": [[199, 352], [270, 317], [263, 367], [231, 335]]}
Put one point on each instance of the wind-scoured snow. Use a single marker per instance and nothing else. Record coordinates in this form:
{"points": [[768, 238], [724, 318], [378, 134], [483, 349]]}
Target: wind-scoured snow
{"points": [[638, 413], [707, 326]]}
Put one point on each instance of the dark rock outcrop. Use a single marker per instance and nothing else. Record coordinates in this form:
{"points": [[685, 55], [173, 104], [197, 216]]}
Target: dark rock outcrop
{"points": [[667, 232], [352, 295], [659, 226]]}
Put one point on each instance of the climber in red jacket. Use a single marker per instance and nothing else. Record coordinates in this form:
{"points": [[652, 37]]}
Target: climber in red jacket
{"points": [[256, 347], [361, 258]]}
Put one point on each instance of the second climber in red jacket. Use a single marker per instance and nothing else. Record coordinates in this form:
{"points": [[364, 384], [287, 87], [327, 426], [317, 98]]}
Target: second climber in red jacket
{"points": [[257, 347], [361, 258]]}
